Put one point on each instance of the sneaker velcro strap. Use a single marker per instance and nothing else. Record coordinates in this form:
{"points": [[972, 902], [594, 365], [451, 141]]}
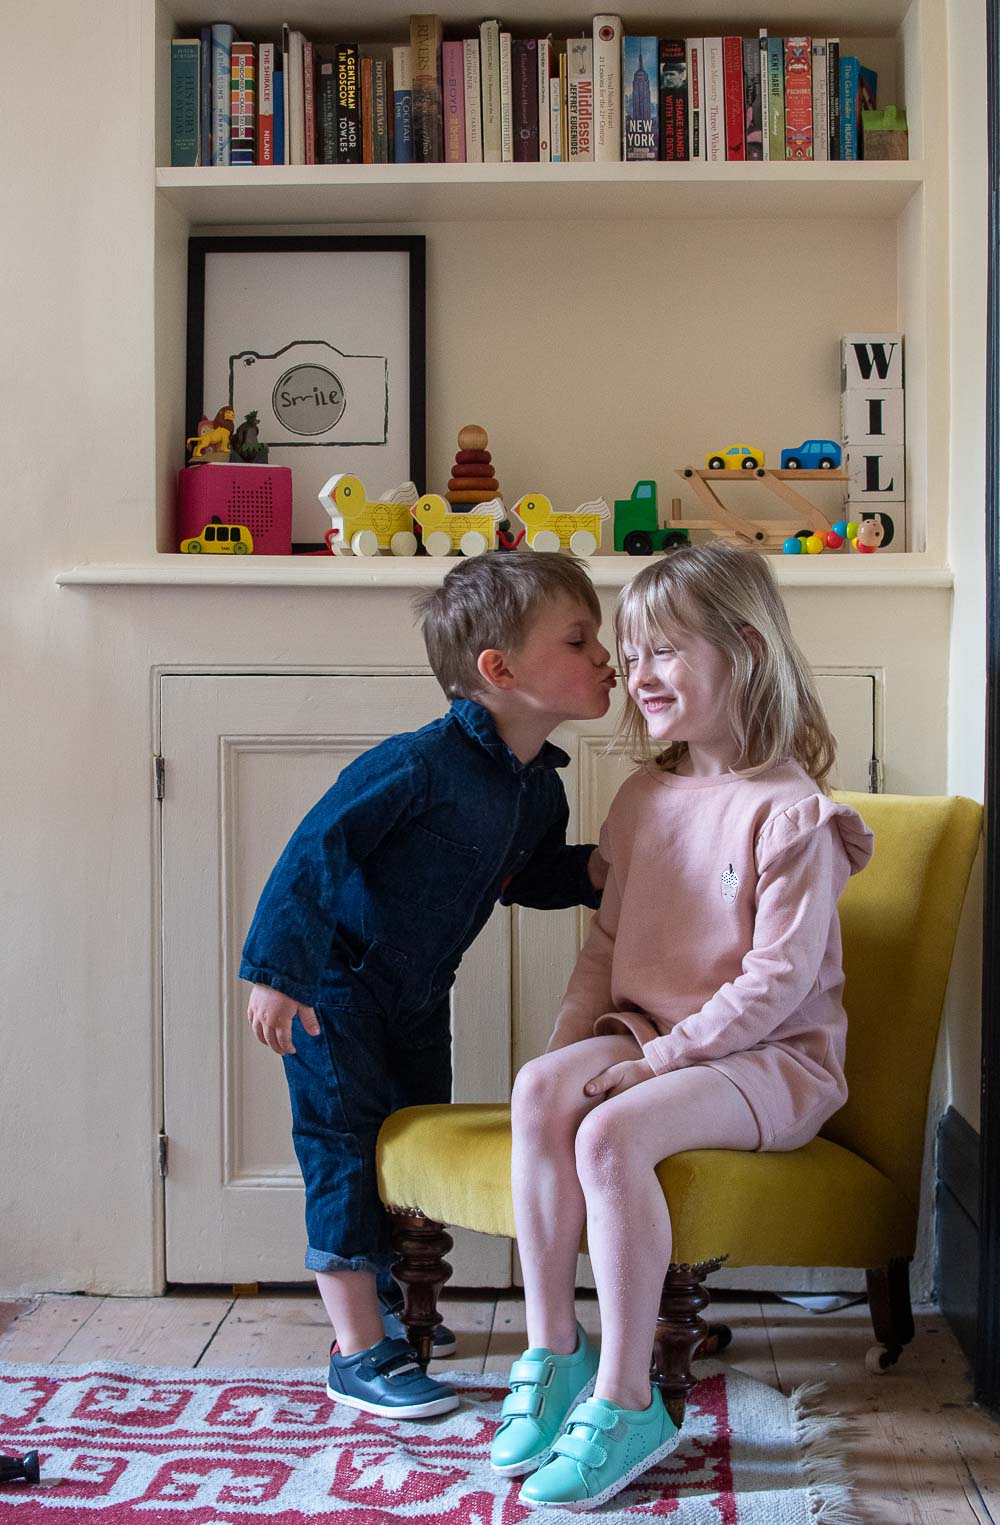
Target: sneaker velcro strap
{"points": [[532, 1371], [524, 1404], [395, 1361], [596, 1415], [581, 1448]]}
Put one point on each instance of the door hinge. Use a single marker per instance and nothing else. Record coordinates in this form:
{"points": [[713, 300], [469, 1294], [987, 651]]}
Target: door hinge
{"points": [[161, 1153], [159, 772], [875, 775]]}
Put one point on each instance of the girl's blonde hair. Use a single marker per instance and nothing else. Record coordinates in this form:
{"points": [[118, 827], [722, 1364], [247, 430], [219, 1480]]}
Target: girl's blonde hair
{"points": [[730, 598]]}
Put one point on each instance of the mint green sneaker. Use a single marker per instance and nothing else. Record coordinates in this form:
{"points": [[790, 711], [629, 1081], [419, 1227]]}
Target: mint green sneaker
{"points": [[603, 1448], [543, 1389]]}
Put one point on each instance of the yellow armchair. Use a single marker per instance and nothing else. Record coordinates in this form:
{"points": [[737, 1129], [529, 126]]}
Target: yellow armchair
{"points": [[849, 1198]]}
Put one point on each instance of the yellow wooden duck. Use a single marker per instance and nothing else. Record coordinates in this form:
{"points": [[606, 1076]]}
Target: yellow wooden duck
{"points": [[548, 529], [445, 531], [364, 528]]}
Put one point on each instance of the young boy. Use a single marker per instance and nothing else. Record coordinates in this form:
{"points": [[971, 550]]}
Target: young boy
{"points": [[363, 922]]}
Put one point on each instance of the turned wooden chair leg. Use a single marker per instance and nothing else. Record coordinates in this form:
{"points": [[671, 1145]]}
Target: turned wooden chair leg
{"points": [[680, 1332], [420, 1244], [891, 1314]]}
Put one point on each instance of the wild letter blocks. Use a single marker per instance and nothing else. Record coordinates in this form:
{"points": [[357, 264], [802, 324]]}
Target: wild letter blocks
{"points": [[872, 429]]}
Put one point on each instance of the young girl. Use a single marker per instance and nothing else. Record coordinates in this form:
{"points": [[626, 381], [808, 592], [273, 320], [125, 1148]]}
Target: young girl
{"points": [[705, 1009]]}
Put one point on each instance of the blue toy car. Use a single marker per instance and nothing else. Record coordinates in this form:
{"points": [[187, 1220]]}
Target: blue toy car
{"points": [[812, 455]]}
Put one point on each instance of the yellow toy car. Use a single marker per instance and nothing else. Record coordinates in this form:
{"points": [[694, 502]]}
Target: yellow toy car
{"points": [[223, 539], [735, 458]]}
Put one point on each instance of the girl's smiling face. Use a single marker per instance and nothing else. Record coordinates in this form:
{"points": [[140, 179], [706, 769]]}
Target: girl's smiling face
{"points": [[680, 684]]}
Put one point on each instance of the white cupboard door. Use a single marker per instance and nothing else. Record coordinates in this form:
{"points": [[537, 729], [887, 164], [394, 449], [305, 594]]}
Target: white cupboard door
{"points": [[245, 758]]}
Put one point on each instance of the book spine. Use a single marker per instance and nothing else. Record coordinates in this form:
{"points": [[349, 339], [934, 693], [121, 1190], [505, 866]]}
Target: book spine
{"points": [[222, 42], [765, 105], [640, 67], [867, 101], [205, 94], [753, 117], [185, 101], [556, 124], [608, 103], [524, 99], [326, 111], [473, 101], [348, 104], [715, 101], [265, 103], [506, 102], [309, 101], [673, 82], [820, 100], [453, 96], [798, 98], [382, 110], [563, 107], [694, 48], [544, 100], [776, 96], [428, 117], [732, 85], [367, 104], [489, 58], [580, 98], [242, 105], [286, 81], [279, 116], [848, 107], [833, 93], [295, 99], [402, 106]]}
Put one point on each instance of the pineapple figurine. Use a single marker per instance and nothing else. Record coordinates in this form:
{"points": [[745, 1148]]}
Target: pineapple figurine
{"points": [[472, 480]]}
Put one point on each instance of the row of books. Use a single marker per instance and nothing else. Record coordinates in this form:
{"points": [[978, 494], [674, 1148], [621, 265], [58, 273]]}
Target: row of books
{"points": [[496, 98]]}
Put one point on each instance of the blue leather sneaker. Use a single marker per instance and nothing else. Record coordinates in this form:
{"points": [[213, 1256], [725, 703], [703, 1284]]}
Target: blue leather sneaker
{"points": [[388, 1379]]}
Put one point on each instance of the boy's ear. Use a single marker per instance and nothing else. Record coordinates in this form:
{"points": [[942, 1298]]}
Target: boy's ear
{"points": [[493, 669]]}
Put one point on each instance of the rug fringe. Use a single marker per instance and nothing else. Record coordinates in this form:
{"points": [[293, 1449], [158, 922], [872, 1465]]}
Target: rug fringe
{"points": [[832, 1495]]}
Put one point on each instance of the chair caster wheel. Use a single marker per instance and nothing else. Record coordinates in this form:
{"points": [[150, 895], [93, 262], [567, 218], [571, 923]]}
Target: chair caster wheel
{"points": [[879, 1358], [719, 1336]]}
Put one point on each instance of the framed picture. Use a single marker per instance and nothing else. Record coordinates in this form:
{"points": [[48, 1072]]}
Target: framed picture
{"points": [[322, 338]]}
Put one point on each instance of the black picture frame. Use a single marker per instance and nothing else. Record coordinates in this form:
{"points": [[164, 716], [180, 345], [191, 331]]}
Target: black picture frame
{"points": [[200, 253]]}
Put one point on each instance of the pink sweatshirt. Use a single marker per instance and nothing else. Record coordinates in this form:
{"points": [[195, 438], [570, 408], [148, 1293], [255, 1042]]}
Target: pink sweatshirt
{"points": [[718, 940]]}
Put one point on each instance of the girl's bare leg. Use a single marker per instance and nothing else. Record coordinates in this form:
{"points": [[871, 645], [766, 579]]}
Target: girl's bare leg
{"points": [[629, 1235], [547, 1105]]}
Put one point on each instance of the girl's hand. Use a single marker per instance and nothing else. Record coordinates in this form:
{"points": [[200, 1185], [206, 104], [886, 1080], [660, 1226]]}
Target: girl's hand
{"points": [[618, 1078], [597, 870]]}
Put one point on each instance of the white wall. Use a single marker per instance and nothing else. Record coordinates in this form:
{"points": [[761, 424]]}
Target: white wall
{"points": [[79, 1199]]}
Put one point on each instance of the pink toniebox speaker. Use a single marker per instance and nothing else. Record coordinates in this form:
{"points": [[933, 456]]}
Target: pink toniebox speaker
{"points": [[258, 497]]}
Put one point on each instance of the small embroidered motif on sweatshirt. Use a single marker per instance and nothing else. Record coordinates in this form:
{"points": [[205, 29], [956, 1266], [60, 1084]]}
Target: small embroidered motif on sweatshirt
{"points": [[730, 885]]}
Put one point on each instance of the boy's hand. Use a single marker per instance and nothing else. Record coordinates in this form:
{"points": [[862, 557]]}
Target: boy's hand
{"points": [[618, 1078], [270, 1014], [597, 870]]}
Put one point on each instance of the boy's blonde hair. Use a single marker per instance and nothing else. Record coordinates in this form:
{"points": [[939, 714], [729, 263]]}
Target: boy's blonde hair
{"points": [[729, 597], [490, 603]]}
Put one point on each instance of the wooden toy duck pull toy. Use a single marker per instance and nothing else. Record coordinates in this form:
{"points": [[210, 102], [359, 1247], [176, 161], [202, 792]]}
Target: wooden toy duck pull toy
{"points": [[472, 477]]}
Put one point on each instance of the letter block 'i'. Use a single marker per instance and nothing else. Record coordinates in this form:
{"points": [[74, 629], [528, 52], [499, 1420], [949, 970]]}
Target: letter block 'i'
{"points": [[872, 417]]}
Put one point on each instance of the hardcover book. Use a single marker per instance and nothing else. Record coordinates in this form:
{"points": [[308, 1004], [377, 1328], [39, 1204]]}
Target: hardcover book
{"points": [[715, 101], [242, 105], [265, 104], [326, 111], [640, 69], [798, 98], [367, 106], [425, 60], [402, 106], [489, 60], [580, 98], [295, 113], [473, 101], [348, 104], [279, 114], [732, 84], [608, 82], [673, 101], [524, 99], [381, 111], [833, 93], [694, 48], [205, 103], [753, 114], [185, 101], [309, 101], [453, 101], [506, 103], [776, 97], [820, 100], [545, 100], [222, 42]]}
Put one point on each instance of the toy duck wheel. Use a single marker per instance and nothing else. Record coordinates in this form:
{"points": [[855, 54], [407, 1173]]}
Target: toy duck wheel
{"points": [[545, 540], [403, 543], [365, 543], [583, 543], [438, 543], [473, 543]]}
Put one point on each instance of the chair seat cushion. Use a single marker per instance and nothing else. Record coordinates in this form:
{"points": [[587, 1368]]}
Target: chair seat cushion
{"points": [[815, 1206]]}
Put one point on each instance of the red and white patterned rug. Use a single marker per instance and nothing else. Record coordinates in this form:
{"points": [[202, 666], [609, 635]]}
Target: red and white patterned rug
{"points": [[128, 1445]]}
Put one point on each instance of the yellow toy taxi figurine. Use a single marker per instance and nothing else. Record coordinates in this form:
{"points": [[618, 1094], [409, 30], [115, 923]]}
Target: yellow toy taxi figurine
{"points": [[222, 539]]}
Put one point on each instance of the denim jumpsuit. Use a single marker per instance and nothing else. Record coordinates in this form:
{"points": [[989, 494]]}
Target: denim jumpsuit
{"points": [[366, 916]]}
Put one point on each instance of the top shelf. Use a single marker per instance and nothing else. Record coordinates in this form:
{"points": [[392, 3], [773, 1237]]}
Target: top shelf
{"points": [[553, 192]]}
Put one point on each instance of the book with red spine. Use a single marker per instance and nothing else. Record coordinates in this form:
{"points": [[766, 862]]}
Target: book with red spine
{"points": [[309, 99], [732, 84], [265, 103], [453, 101], [242, 105], [798, 98], [367, 109], [524, 98]]}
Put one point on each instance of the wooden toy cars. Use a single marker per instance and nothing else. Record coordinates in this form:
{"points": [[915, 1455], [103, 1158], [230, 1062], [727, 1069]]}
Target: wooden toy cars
{"points": [[812, 455], [548, 529], [444, 531], [223, 539], [364, 528], [637, 529], [735, 458]]}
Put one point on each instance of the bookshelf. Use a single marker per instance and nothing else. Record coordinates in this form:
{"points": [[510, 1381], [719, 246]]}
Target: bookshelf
{"points": [[829, 248]]}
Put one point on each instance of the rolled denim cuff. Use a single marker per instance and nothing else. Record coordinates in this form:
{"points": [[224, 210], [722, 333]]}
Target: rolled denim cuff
{"points": [[259, 974], [322, 1260]]}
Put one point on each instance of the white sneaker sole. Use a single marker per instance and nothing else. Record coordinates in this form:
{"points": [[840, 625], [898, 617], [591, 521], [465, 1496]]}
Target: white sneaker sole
{"points": [[443, 1405], [520, 1468], [581, 1506]]}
